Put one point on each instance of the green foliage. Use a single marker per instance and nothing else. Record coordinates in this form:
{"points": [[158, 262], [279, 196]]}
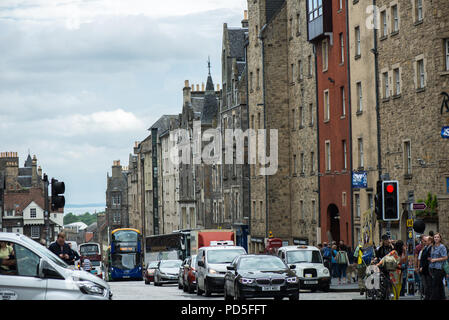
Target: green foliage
{"points": [[432, 206], [87, 218]]}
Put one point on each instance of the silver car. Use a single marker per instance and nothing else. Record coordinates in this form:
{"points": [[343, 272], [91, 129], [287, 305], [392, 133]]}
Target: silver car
{"points": [[167, 272], [32, 272]]}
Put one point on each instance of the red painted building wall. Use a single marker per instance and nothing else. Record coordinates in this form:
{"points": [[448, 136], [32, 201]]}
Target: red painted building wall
{"points": [[336, 182]]}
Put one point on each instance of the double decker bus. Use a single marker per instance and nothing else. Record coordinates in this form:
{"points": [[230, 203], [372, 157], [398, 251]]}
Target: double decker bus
{"points": [[126, 254], [92, 252]]}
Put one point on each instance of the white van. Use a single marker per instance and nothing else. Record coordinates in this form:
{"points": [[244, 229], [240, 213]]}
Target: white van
{"points": [[310, 269], [35, 273]]}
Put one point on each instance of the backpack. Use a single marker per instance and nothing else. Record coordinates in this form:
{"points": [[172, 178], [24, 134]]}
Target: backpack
{"points": [[341, 257], [368, 255], [390, 263]]}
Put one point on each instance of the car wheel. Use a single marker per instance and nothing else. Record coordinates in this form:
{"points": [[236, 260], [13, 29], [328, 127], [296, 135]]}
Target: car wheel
{"points": [[190, 288], [207, 291], [237, 295], [326, 288], [146, 281], [180, 286], [199, 292], [278, 298], [313, 290]]}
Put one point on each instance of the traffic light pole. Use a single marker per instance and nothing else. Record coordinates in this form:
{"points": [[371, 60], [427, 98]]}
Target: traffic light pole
{"points": [[46, 213]]}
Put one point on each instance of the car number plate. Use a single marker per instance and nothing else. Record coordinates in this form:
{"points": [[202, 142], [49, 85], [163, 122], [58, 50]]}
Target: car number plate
{"points": [[311, 282], [272, 288], [125, 277]]}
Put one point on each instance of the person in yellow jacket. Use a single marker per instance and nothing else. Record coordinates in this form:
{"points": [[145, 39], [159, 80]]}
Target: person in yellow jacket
{"points": [[361, 268]]}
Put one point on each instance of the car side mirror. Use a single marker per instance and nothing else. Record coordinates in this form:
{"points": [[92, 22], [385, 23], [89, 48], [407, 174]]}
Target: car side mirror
{"points": [[292, 266], [200, 263], [230, 268], [47, 271]]}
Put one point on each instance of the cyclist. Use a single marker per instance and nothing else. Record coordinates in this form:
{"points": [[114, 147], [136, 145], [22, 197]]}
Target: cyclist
{"points": [[391, 267]]}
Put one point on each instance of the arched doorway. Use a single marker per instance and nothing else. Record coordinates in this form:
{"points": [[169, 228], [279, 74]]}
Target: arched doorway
{"points": [[333, 223]]}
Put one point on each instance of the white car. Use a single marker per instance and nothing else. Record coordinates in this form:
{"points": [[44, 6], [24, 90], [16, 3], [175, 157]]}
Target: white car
{"points": [[35, 273], [310, 269]]}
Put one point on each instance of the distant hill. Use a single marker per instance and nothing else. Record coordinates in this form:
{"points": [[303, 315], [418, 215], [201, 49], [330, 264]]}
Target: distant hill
{"points": [[87, 218]]}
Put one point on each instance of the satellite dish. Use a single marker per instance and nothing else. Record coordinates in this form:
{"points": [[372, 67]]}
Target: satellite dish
{"points": [[419, 226]]}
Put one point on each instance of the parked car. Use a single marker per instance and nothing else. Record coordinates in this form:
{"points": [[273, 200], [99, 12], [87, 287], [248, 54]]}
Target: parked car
{"points": [[260, 276], [166, 272], [310, 269], [211, 267], [149, 272], [35, 273], [189, 275]]}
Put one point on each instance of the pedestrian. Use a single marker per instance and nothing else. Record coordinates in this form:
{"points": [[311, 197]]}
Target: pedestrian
{"points": [[361, 268], [327, 254], [334, 265], [438, 256], [385, 248], [75, 254], [423, 265], [87, 265], [342, 262], [351, 271], [61, 249], [392, 265], [7, 261]]}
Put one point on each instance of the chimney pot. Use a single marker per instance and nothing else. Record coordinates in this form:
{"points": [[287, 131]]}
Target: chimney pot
{"points": [[218, 87], [186, 83], [202, 86], [197, 87], [245, 14]]}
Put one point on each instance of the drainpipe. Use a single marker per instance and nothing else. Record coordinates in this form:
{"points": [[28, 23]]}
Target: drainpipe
{"points": [[315, 49], [249, 165], [264, 122]]}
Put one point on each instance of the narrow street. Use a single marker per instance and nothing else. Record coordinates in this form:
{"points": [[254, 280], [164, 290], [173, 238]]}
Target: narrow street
{"points": [[138, 290]]}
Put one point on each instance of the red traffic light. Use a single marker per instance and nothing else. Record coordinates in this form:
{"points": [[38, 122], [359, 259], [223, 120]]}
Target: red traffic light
{"points": [[390, 188]]}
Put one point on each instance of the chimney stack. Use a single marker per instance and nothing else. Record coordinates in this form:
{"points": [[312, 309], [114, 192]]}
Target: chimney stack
{"points": [[245, 19], [116, 169], [12, 173], [197, 87], [186, 92], [34, 172]]}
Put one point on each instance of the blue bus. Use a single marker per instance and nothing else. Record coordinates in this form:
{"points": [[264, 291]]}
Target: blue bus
{"points": [[126, 254]]}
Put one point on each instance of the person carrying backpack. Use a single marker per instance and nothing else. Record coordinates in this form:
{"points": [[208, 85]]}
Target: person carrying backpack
{"points": [[342, 262], [391, 264], [326, 252]]}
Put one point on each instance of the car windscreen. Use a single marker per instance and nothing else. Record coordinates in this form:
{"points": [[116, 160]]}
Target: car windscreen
{"points": [[127, 261], [304, 256], [223, 255], [261, 264], [152, 265], [171, 264], [89, 249], [44, 252], [95, 263]]}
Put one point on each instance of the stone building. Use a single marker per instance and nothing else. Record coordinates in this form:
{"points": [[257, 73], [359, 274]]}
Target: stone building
{"points": [[117, 197], [413, 47], [234, 116], [134, 192]]}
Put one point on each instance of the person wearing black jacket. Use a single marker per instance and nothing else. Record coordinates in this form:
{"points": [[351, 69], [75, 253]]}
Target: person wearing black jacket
{"points": [[62, 249], [76, 256], [385, 248], [424, 268]]}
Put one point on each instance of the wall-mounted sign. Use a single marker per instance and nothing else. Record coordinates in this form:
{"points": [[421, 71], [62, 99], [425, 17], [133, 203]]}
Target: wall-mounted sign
{"points": [[445, 103], [359, 180], [445, 132], [447, 185]]}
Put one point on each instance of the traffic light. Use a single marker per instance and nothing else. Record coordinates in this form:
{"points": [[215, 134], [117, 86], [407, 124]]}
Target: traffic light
{"points": [[390, 200], [378, 201], [57, 199]]}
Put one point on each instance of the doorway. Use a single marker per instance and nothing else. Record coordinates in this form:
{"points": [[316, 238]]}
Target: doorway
{"points": [[333, 223]]}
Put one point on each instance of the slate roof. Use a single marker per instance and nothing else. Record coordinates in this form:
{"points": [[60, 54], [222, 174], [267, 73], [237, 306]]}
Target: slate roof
{"points": [[163, 124], [28, 162], [28, 171], [236, 38], [25, 182], [272, 7], [210, 103]]}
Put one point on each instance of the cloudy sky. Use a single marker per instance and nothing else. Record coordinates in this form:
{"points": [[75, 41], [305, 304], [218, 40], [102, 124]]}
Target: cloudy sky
{"points": [[81, 80]]}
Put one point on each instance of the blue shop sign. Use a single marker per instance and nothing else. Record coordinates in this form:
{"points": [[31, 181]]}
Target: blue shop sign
{"points": [[445, 132], [359, 180]]}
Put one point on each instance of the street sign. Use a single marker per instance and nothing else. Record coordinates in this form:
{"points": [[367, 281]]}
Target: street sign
{"points": [[445, 132], [359, 180], [419, 206], [409, 223]]}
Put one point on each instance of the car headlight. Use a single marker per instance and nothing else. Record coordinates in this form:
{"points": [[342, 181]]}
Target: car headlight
{"points": [[88, 287], [292, 280], [246, 281], [212, 271], [325, 271]]}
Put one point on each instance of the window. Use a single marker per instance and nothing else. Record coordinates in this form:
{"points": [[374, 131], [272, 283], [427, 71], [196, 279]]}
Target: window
{"points": [[343, 199], [312, 162], [302, 163], [35, 232], [310, 63], [342, 49], [386, 86], [252, 121], [300, 76], [33, 213], [397, 82], [446, 52], [370, 201], [314, 217], [116, 199], [258, 79], [326, 106], [358, 50], [395, 18], [251, 81], [301, 117], [258, 120], [345, 155], [10, 213], [311, 114], [260, 209], [254, 209], [301, 209], [328, 156], [419, 10], [383, 19], [292, 67], [292, 29], [340, 4], [343, 104], [27, 263], [116, 217], [293, 119], [315, 9], [421, 74], [407, 157], [298, 23], [359, 97], [325, 55], [357, 204], [360, 146], [294, 164]]}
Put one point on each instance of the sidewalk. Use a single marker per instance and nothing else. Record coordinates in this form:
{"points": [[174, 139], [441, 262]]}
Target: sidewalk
{"points": [[347, 287]]}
